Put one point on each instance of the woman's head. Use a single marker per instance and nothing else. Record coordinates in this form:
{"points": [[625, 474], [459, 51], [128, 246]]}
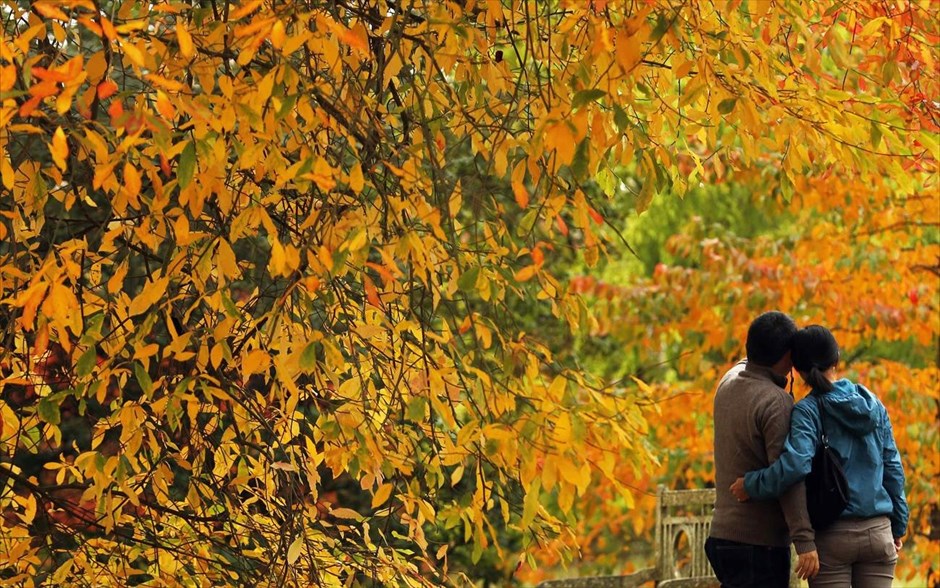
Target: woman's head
{"points": [[815, 352]]}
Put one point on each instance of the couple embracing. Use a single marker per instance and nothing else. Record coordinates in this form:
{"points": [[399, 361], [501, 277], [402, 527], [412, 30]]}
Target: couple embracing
{"points": [[765, 448]]}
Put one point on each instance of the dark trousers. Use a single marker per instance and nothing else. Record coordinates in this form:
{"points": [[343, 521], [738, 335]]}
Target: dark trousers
{"points": [[740, 565]]}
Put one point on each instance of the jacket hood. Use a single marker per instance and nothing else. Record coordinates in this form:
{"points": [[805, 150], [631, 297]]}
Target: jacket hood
{"points": [[853, 406]]}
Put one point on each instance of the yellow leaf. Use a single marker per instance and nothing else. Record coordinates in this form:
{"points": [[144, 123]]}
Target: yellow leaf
{"points": [[560, 138], [284, 258], [133, 53], [356, 181], [6, 172], [184, 39], [684, 69], [226, 260], [345, 513], [165, 83], [116, 281], [255, 362], [277, 34], [568, 470], [59, 149], [47, 9], [165, 107], [643, 386], [557, 388], [531, 503], [357, 242], [563, 429], [526, 273], [7, 77], [628, 50], [293, 552], [245, 9], [96, 67], [131, 180], [565, 497], [381, 495], [152, 292]]}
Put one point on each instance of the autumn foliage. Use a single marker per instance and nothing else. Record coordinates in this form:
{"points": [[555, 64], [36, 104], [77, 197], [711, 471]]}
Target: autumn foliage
{"points": [[288, 290]]}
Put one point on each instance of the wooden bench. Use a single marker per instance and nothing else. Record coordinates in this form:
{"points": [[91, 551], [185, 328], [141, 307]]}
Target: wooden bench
{"points": [[683, 520]]}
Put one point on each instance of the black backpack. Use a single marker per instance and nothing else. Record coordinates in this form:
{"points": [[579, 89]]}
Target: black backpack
{"points": [[827, 490]]}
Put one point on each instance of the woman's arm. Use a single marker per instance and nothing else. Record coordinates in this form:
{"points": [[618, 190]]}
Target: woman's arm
{"points": [[793, 464], [893, 479]]}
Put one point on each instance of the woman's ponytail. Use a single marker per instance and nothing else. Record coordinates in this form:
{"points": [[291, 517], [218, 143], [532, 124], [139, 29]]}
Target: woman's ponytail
{"points": [[817, 381], [815, 352]]}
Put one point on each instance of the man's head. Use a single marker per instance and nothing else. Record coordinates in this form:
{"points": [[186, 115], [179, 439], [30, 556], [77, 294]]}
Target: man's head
{"points": [[769, 339]]}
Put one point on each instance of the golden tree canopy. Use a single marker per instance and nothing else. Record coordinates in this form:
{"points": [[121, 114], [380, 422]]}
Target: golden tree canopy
{"points": [[262, 262]]}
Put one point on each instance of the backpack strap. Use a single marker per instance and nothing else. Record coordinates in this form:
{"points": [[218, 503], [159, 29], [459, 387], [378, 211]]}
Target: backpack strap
{"points": [[823, 437]]}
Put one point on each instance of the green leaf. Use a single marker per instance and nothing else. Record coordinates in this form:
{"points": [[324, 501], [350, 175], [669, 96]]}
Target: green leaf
{"points": [[143, 378], [416, 409], [287, 105], [528, 221], [187, 165], [726, 106], [875, 134], [889, 71], [308, 357], [86, 363], [786, 187], [620, 118], [579, 162], [662, 25], [48, 411], [584, 96], [468, 280]]}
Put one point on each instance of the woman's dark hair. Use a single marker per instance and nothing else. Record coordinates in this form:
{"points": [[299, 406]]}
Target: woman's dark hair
{"points": [[769, 338], [815, 351]]}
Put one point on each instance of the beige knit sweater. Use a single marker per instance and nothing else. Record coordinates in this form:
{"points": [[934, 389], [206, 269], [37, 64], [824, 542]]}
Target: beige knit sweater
{"points": [[752, 419]]}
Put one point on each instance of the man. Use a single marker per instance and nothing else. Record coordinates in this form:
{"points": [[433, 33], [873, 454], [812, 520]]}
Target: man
{"points": [[749, 542]]}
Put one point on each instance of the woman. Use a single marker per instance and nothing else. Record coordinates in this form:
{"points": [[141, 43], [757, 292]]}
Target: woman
{"points": [[861, 548]]}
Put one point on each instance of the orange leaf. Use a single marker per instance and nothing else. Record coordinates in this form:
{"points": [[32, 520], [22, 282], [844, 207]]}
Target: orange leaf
{"points": [[596, 216], [7, 77], [521, 194], [371, 294], [106, 89], [30, 105], [537, 256], [108, 29]]}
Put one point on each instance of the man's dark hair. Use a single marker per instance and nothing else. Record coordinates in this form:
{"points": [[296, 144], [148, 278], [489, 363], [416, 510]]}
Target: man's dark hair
{"points": [[769, 338]]}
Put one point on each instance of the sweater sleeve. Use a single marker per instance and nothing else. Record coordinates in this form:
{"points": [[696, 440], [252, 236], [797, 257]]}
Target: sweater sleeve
{"points": [[893, 479], [794, 462], [775, 425]]}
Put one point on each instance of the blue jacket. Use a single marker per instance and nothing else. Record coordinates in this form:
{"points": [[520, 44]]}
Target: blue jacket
{"points": [[859, 430]]}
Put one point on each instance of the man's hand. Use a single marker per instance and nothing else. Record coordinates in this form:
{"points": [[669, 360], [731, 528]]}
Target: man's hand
{"points": [[898, 543], [738, 490], [807, 566]]}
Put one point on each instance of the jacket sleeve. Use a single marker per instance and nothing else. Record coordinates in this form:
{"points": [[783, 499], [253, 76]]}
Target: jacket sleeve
{"points": [[775, 424], [893, 479], [794, 462]]}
